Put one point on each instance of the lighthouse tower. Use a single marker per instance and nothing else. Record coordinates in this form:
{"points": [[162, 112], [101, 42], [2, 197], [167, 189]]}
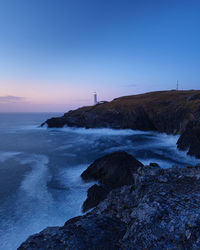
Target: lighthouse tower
{"points": [[95, 98]]}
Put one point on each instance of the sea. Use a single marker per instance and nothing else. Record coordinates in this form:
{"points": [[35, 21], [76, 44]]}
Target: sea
{"points": [[40, 184]]}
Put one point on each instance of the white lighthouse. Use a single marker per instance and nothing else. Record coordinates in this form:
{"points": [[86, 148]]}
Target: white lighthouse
{"points": [[95, 98]]}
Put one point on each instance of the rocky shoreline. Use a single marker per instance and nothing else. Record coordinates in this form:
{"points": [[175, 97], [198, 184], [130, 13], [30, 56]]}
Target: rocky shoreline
{"points": [[135, 206], [172, 112], [142, 207]]}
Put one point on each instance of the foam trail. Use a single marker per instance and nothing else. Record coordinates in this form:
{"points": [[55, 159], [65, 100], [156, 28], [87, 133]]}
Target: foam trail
{"points": [[51, 190], [35, 182], [31, 203], [99, 131], [77, 188], [4, 156]]}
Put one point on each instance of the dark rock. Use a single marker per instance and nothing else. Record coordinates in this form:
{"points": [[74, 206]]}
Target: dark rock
{"points": [[152, 214], [193, 97], [82, 233], [58, 122], [153, 164], [158, 214], [162, 111], [95, 195], [190, 139], [113, 170]]}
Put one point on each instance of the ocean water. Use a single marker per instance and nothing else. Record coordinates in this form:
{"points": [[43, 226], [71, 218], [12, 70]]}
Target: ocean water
{"points": [[40, 169]]}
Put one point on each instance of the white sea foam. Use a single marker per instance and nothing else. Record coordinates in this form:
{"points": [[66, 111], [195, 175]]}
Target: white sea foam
{"points": [[36, 204], [99, 131], [35, 182], [4, 156], [77, 188]]}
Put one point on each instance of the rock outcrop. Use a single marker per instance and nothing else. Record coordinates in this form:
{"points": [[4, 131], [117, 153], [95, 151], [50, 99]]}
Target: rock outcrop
{"points": [[190, 139], [159, 211], [84, 232], [111, 171], [95, 195], [162, 111]]}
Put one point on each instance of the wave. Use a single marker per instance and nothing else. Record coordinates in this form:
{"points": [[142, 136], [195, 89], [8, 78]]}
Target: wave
{"points": [[98, 131], [36, 205], [4, 156]]}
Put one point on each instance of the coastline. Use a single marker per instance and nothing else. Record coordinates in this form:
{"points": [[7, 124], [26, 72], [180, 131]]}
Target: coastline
{"points": [[157, 209], [171, 117], [171, 112]]}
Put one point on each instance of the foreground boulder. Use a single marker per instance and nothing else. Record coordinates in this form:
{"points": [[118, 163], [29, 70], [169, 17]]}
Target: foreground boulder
{"points": [[86, 232], [111, 171], [161, 211]]}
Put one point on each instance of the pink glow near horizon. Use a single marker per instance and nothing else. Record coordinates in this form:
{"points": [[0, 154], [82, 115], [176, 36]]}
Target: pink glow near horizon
{"points": [[49, 96]]}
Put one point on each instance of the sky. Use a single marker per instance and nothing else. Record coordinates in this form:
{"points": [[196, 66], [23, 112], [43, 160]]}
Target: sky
{"points": [[55, 53]]}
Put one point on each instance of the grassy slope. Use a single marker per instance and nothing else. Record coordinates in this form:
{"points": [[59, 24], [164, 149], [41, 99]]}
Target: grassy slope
{"points": [[152, 102]]}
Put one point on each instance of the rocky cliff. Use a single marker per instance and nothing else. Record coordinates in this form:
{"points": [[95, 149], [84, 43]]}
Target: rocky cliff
{"points": [[162, 111], [157, 209]]}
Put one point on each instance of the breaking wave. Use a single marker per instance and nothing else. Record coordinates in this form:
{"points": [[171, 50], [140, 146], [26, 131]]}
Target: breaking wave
{"points": [[44, 187]]}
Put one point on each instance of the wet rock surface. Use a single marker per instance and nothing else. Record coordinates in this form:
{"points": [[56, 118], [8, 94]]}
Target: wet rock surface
{"points": [[190, 139], [159, 211]]}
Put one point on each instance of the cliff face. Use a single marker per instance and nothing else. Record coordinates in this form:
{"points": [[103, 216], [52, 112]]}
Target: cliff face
{"points": [[162, 111], [159, 210], [190, 138]]}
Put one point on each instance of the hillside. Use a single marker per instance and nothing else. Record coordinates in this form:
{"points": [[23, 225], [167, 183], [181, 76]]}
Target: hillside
{"points": [[172, 112]]}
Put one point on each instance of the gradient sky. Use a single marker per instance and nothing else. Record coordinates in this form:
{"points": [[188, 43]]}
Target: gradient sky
{"points": [[55, 53]]}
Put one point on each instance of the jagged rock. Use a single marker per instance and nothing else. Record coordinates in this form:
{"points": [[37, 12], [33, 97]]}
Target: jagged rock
{"points": [[57, 122], [113, 170], [95, 195], [81, 233], [190, 139], [158, 215], [151, 214]]}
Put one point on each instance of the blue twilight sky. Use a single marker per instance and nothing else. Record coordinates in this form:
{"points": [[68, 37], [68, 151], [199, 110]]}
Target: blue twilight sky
{"points": [[55, 53]]}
